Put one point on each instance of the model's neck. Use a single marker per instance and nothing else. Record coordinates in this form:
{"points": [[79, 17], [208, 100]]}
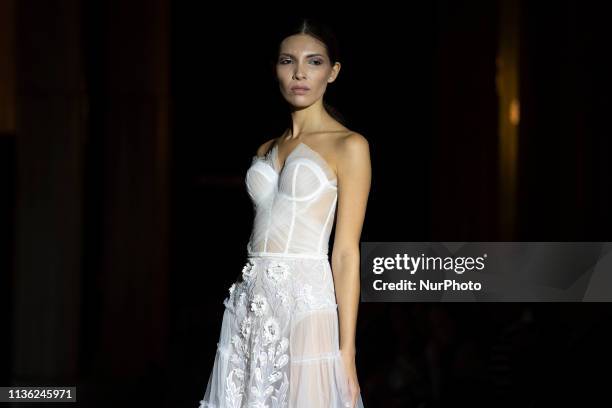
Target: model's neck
{"points": [[308, 120]]}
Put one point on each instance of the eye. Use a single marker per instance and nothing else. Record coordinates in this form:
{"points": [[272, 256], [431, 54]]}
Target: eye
{"points": [[283, 61]]}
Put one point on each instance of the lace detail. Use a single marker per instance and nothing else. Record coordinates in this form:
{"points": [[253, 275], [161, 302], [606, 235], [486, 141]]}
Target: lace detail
{"points": [[277, 298], [259, 305], [236, 298], [248, 271], [268, 347], [271, 358], [278, 271], [245, 327]]}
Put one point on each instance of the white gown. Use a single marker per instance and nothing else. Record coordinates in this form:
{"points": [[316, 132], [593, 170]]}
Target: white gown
{"points": [[279, 340]]}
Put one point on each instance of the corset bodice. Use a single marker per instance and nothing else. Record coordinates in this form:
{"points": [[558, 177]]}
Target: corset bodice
{"points": [[294, 205]]}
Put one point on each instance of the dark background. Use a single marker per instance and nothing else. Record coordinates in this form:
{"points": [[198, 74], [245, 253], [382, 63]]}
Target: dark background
{"points": [[125, 136]]}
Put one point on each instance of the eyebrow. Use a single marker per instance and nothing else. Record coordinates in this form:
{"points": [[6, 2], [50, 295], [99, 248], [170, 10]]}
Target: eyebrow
{"points": [[307, 56]]}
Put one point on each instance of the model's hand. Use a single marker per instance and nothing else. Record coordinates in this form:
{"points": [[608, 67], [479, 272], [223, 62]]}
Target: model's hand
{"points": [[348, 357]]}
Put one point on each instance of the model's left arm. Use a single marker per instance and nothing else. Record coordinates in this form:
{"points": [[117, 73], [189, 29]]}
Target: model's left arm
{"points": [[354, 178]]}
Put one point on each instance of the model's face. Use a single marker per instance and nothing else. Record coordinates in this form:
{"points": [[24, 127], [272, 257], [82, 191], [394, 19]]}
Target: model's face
{"points": [[303, 62]]}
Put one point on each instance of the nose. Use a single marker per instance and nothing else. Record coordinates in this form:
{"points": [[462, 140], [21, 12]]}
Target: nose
{"points": [[298, 73]]}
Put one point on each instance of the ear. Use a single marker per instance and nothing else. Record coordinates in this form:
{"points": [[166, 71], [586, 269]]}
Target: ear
{"points": [[334, 73]]}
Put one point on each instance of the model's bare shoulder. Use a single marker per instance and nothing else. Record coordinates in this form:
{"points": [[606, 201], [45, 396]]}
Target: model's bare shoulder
{"points": [[265, 147], [353, 146]]}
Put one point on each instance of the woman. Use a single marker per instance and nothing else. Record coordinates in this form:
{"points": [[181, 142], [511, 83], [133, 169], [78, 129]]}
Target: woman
{"points": [[288, 330]]}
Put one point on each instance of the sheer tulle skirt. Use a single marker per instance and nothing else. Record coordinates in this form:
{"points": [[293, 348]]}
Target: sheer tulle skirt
{"points": [[278, 345]]}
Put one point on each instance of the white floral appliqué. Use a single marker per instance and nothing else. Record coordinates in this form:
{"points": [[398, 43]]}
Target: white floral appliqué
{"points": [[271, 330], [245, 327], [278, 271], [259, 305], [270, 359], [229, 301], [248, 271], [266, 351]]}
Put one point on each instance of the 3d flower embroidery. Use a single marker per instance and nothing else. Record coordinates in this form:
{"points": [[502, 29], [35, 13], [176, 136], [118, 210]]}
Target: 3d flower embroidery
{"points": [[248, 270], [271, 330], [282, 346], [284, 297], [229, 301], [282, 361], [245, 327], [278, 271], [259, 305], [237, 342], [239, 373]]}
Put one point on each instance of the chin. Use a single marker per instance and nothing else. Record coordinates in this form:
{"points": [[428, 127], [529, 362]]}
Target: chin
{"points": [[299, 105], [299, 102]]}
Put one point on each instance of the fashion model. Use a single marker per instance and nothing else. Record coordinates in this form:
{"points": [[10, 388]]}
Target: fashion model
{"points": [[288, 330]]}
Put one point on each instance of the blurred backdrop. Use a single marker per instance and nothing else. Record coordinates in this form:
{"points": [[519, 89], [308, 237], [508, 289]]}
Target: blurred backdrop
{"points": [[126, 131]]}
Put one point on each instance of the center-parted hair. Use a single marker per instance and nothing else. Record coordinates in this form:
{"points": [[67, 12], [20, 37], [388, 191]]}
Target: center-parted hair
{"points": [[315, 28]]}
